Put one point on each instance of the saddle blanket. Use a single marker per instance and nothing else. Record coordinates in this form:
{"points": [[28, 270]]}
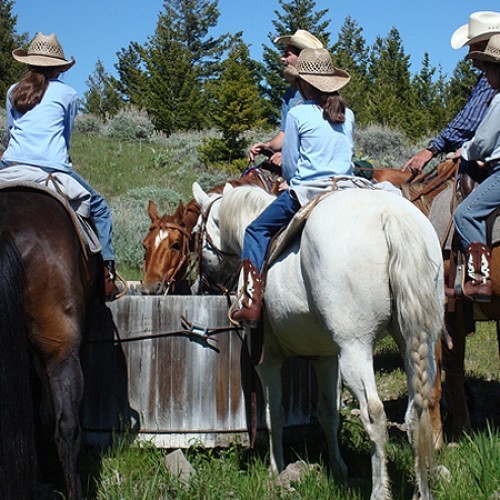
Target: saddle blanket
{"points": [[59, 182], [311, 194], [440, 217]]}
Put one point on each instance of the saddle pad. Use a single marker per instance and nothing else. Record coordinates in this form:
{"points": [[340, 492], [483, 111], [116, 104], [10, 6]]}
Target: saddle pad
{"points": [[59, 182], [88, 237], [440, 215]]}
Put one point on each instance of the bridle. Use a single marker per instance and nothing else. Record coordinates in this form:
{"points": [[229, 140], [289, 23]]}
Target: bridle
{"points": [[203, 238]]}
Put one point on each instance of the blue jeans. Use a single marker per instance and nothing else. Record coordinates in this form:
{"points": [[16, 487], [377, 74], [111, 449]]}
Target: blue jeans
{"points": [[260, 232], [470, 216], [99, 212]]}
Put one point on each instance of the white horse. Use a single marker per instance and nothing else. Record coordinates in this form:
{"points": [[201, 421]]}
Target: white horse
{"points": [[368, 262]]}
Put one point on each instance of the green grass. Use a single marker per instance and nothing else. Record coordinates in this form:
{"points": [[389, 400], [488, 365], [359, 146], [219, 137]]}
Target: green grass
{"points": [[473, 464]]}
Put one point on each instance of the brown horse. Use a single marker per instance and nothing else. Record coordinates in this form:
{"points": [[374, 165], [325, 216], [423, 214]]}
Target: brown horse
{"points": [[170, 241], [41, 250], [422, 190]]}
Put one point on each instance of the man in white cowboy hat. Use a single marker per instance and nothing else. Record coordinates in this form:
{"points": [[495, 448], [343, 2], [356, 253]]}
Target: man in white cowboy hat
{"points": [[471, 214], [293, 45], [41, 111], [475, 34]]}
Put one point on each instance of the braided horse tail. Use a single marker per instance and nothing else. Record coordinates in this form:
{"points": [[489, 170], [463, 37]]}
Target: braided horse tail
{"points": [[415, 279]]}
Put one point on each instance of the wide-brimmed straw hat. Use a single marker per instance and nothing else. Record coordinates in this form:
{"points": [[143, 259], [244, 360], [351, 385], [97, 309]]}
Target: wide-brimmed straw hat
{"points": [[44, 51], [301, 39], [491, 53], [481, 26], [315, 67]]}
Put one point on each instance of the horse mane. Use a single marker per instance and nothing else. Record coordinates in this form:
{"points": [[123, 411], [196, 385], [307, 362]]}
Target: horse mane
{"points": [[239, 207]]}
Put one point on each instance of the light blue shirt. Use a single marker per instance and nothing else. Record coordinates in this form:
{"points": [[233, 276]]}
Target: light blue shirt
{"points": [[41, 136], [485, 145], [315, 148], [291, 98]]}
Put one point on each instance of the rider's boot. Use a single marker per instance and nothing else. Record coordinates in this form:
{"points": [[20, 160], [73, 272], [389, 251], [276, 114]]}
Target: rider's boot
{"points": [[251, 296], [110, 288], [477, 284]]}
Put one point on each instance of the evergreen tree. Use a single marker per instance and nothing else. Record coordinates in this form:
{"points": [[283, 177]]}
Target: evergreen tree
{"points": [[236, 106], [351, 53], [389, 97], [10, 70], [101, 98], [132, 81], [298, 14]]}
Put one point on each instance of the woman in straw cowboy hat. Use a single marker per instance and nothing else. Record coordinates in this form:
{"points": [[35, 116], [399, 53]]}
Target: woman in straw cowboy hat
{"points": [[41, 111], [470, 216], [318, 144]]}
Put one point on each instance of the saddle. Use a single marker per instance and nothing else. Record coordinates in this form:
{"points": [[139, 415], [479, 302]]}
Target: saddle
{"points": [[67, 191]]}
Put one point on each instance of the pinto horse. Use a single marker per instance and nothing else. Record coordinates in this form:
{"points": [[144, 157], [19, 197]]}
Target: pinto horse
{"points": [[368, 262], [40, 249], [170, 241]]}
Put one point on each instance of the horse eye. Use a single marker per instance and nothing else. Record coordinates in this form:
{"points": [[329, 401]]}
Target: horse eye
{"points": [[176, 246]]}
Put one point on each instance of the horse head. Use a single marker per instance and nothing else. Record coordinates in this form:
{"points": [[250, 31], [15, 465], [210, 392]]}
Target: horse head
{"points": [[167, 250]]}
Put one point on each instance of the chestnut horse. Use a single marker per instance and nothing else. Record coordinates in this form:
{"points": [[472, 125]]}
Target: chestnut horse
{"points": [[170, 242], [41, 251]]}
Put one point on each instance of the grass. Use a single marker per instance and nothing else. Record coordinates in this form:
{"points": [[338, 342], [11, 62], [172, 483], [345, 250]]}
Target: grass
{"points": [[469, 469]]}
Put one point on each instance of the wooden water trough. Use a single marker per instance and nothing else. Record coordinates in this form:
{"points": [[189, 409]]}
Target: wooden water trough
{"points": [[145, 374]]}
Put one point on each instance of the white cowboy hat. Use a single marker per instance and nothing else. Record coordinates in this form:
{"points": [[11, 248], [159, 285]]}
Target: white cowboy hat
{"points": [[491, 53], [301, 39], [315, 67], [481, 26], [44, 51]]}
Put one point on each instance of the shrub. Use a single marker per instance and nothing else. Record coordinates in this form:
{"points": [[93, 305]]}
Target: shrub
{"points": [[88, 124], [130, 125]]}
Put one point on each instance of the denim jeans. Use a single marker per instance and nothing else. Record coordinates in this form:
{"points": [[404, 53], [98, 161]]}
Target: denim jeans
{"points": [[260, 232], [470, 216]]}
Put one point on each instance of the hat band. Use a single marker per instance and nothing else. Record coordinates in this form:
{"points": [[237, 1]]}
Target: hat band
{"points": [[44, 54], [318, 74]]}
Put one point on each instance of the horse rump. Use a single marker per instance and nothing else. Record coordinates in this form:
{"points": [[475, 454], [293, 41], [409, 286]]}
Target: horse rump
{"points": [[17, 440]]}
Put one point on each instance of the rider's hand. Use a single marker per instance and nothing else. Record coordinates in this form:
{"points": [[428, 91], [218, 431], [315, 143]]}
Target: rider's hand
{"points": [[419, 161], [275, 159]]}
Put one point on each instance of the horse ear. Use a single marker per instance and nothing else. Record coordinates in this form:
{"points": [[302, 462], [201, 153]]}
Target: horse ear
{"points": [[227, 188], [153, 211], [199, 195], [180, 209]]}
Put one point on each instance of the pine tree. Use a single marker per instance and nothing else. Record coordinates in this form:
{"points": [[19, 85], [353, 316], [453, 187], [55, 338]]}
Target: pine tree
{"points": [[389, 97], [298, 14], [236, 106], [101, 98], [351, 53], [10, 70]]}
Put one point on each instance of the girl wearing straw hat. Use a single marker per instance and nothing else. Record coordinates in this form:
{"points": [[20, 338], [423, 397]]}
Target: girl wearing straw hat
{"points": [[318, 144], [470, 216], [41, 110]]}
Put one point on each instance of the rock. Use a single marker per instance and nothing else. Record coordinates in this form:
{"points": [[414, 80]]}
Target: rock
{"points": [[294, 474], [179, 466]]}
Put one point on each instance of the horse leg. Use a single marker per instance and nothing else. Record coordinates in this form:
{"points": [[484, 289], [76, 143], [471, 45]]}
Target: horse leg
{"points": [[453, 362], [356, 368], [269, 372], [435, 402], [329, 388], [66, 385]]}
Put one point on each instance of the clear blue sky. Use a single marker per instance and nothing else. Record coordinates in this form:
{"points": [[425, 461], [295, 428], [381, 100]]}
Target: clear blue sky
{"points": [[98, 29]]}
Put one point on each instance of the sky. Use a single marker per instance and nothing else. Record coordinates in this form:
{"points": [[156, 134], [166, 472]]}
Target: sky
{"points": [[98, 29]]}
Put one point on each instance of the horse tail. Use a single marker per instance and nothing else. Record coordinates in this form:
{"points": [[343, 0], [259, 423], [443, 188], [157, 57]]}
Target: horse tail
{"points": [[415, 280], [17, 449]]}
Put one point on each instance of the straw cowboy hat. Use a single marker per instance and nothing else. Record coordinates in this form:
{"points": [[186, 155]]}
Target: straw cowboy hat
{"points": [[45, 51], [480, 27], [315, 67], [301, 39], [491, 53]]}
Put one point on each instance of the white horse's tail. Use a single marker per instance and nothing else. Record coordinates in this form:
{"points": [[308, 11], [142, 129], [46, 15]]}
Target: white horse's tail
{"points": [[416, 281]]}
